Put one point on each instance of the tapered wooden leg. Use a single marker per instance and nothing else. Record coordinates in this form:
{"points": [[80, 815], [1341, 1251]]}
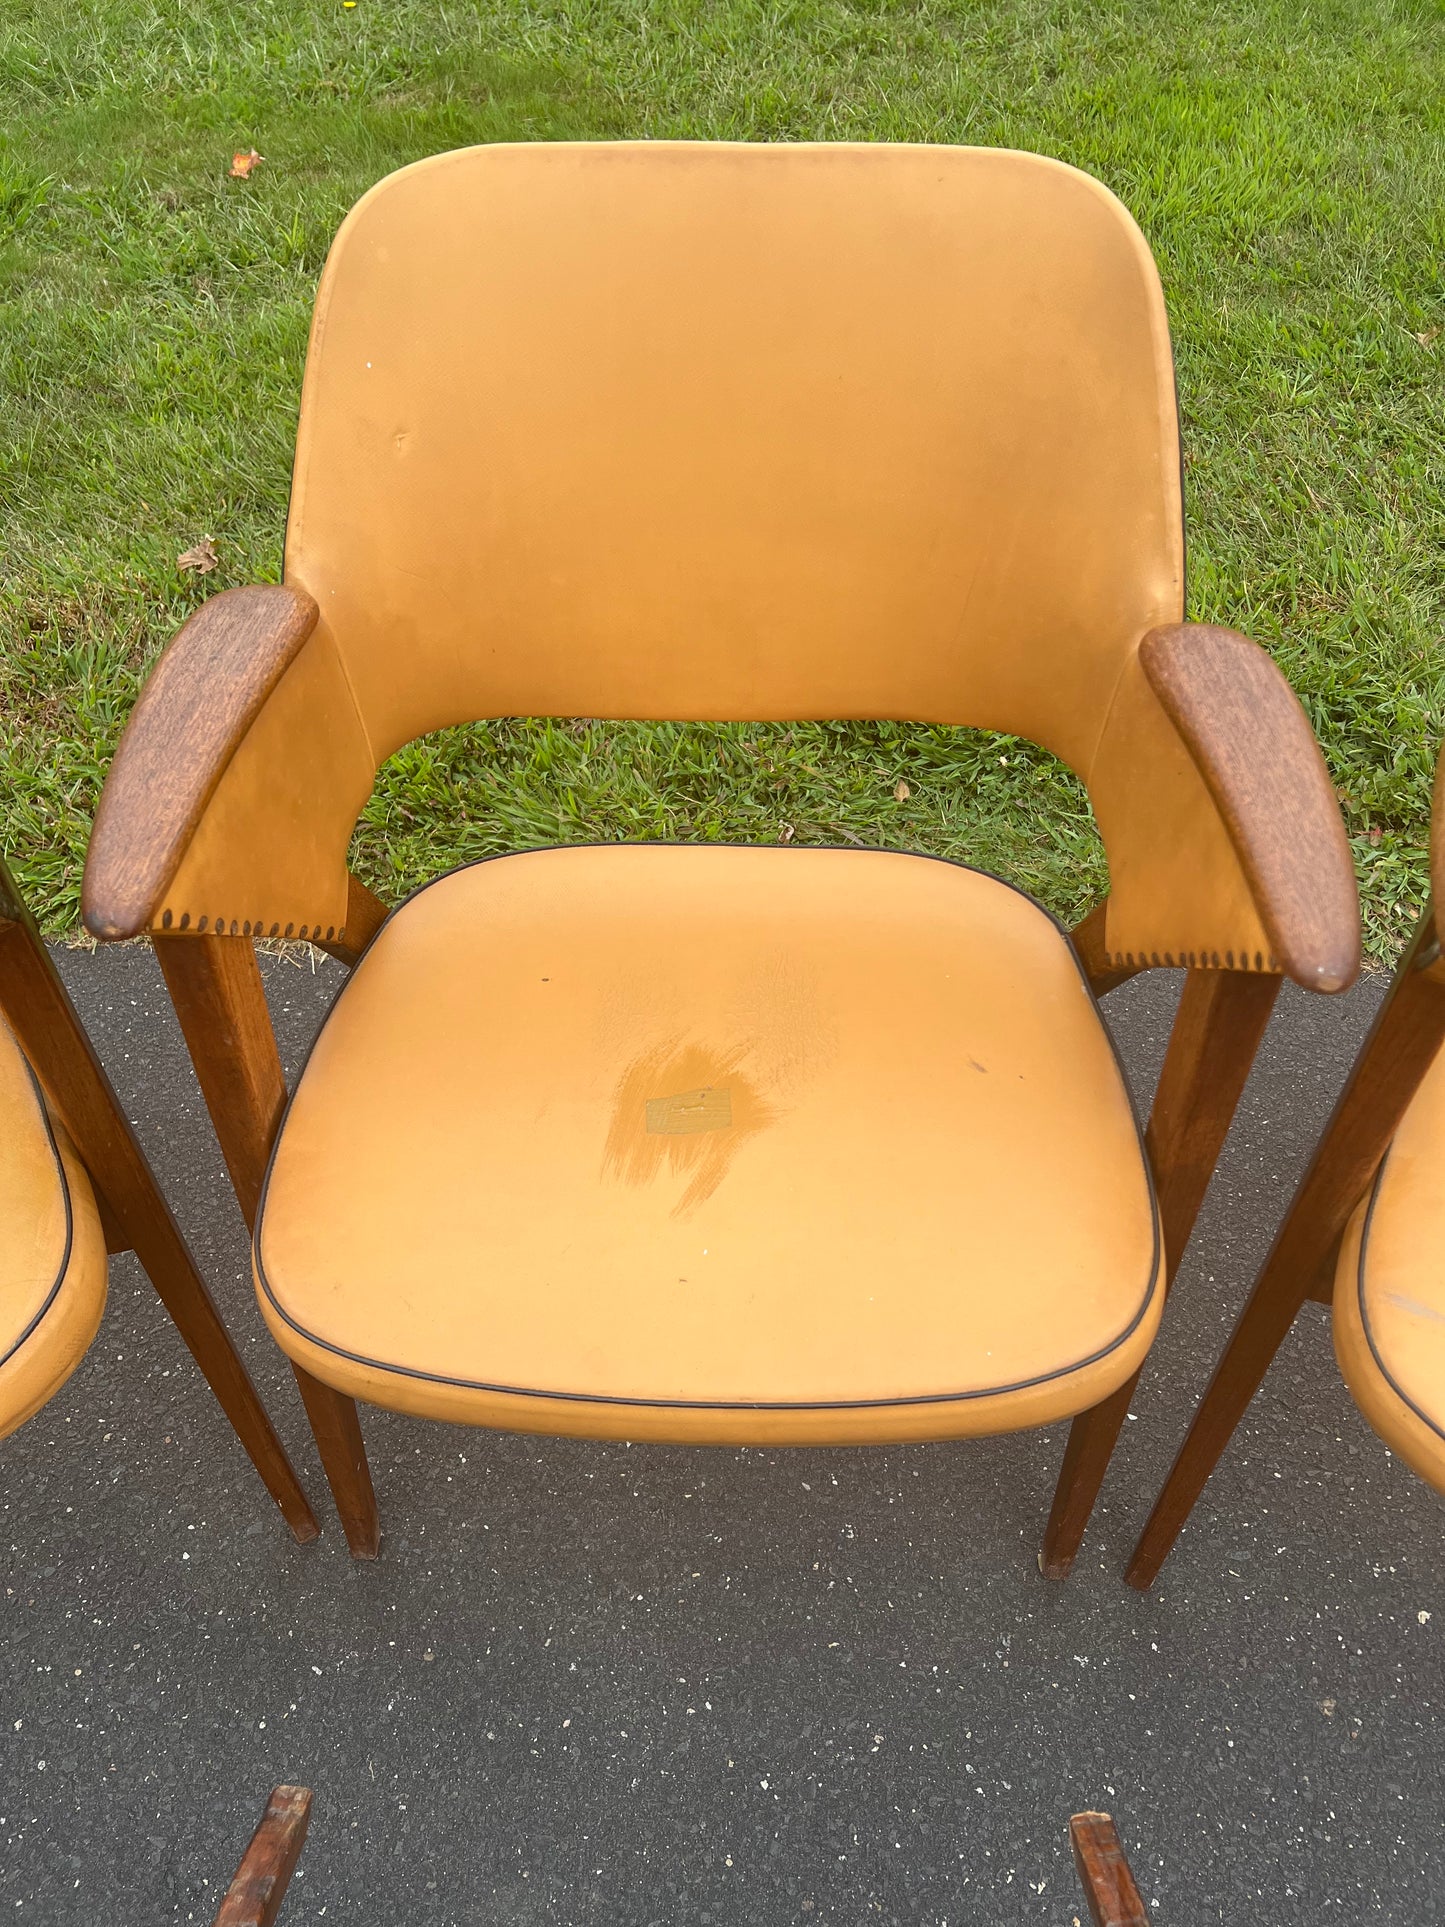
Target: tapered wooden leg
{"points": [[254, 1897], [1221, 1019], [1394, 1058], [337, 1426], [215, 985], [1104, 1874], [136, 1215]]}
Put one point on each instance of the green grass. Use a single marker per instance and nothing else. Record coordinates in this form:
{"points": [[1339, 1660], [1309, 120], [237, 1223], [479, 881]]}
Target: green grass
{"points": [[1286, 159]]}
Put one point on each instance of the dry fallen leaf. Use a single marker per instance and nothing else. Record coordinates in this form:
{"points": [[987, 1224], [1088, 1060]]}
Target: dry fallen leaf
{"points": [[243, 166], [201, 559], [786, 833], [901, 791]]}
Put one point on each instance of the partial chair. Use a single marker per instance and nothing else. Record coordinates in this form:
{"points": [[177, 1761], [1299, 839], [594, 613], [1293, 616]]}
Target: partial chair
{"points": [[719, 1144], [74, 1183], [1365, 1233]]}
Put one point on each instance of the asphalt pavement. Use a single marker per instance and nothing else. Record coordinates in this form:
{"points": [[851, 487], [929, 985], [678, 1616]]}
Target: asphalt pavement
{"points": [[634, 1685]]}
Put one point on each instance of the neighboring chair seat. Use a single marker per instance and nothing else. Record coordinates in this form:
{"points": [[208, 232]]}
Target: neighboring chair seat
{"points": [[715, 1143], [52, 1249], [1389, 1308]]}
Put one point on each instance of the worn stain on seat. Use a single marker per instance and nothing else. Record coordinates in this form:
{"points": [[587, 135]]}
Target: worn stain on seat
{"points": [[686, 1108]]}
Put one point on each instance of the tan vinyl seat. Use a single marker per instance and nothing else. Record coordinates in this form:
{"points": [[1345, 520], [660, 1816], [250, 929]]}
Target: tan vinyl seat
{"points": [[715, 1144], [52, 1249], [1389, 1303]]}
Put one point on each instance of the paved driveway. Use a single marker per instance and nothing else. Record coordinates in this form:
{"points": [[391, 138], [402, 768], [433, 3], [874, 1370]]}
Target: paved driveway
{"points": [[642, 1685]]}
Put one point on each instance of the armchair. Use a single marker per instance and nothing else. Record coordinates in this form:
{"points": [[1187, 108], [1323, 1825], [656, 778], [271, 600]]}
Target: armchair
{"points": [[712, 1143]]}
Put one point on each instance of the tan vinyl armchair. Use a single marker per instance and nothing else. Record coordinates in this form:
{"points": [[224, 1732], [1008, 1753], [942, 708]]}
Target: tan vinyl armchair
{"points": [[721, 1144]]}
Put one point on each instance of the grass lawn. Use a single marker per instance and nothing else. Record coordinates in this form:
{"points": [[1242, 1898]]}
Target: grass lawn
{"points": [[1286, 159]]}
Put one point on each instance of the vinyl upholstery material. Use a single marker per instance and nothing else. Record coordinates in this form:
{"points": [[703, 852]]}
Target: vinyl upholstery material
{"points": [[1389, 1301], [52, 1249], [704, 430], [715, 1143]]}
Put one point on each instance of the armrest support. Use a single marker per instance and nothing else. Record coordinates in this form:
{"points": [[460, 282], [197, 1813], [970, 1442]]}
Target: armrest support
{"points": [[1252, 744], [237, 782]]}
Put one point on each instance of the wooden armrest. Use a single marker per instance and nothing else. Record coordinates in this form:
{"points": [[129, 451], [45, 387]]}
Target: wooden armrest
{"points": [[254, 1897], [1252, 744], [201, 698]]}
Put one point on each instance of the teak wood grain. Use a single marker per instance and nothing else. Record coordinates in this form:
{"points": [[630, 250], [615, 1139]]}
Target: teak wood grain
{"points": [[254, 1897], [215, 985], [1398, 1051], [1221, 1019], [1253, 745], [39, 1011], [1114, 1899], [197, 704]]}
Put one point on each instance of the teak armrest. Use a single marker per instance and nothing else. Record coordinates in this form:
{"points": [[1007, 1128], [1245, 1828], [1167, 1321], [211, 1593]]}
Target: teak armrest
{"points": [[1252, 744], [237, 784], [194, 712]]}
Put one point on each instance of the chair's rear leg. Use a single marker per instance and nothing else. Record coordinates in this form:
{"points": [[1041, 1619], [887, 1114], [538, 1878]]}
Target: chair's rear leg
{"points": [[1222, 1016], [1400, 1048], [215, 985], [1273, 1306]]}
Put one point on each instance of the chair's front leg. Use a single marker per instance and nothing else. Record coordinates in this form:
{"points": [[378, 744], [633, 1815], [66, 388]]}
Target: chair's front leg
{"points": [[1222, 1016], [215, 985]]}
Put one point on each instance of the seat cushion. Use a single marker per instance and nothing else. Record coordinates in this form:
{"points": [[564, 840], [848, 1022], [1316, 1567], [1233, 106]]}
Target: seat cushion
{"points": [[1389, 1307], [715, 1143], [52, 1249]]}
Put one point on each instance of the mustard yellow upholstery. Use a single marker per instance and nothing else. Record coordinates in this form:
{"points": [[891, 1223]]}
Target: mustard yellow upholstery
{"points": [[1389, 1303], [703, 430], [715, 1144], [52, 1249]]}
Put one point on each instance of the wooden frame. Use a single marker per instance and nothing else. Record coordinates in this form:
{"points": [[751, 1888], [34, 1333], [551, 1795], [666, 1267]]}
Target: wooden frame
{"points": [[133, 1211], [1235, 717], [1104, 1872], [1392, 1062], [254, 1896]]}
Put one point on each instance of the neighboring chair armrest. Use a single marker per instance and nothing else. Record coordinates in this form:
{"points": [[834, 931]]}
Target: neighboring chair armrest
{"points": [[1252, 743], [236, 783]]}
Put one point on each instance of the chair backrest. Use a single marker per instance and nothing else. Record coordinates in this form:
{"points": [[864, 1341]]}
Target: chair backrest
{"points": [[736, 431]]}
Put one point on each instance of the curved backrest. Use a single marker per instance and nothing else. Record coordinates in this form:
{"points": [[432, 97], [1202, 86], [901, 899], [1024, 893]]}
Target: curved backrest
{"points": [[732, 431]]}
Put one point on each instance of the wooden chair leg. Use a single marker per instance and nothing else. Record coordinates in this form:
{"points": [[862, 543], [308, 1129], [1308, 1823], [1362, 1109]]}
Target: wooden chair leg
{"points": [[137, 1216], [1393, 1060], [215, 985], [1221, 1019], [254, 1897], [1104, 1875], [336, 1424]]}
